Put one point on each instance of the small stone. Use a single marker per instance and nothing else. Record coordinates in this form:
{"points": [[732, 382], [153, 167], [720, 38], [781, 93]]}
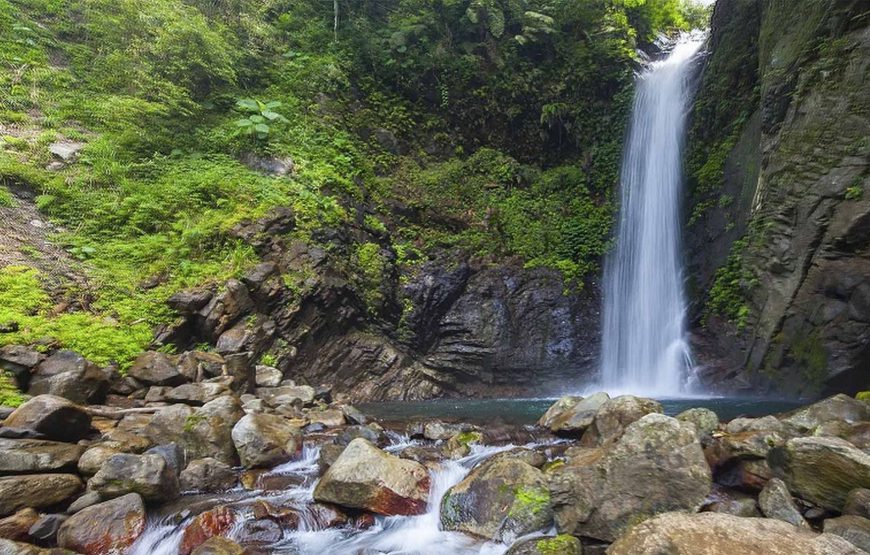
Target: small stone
{"points": [[45, 529], [86, 500]]}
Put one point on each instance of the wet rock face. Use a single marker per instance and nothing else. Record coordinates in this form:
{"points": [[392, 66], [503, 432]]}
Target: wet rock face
{"points": [[364, 477], [106, 528], [713, 534], [500, 500], [794, 187], [656, 466]]}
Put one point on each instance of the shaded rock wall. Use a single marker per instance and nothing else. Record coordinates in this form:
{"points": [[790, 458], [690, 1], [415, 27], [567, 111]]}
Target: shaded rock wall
{"points": [[778, 231]]}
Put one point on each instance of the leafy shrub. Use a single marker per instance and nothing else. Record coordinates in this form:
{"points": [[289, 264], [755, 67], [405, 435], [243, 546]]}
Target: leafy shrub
{"points": [[260, 117]]}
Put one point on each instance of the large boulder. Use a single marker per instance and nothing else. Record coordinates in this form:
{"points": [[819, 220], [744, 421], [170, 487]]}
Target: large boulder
{"points": [[207, 475], [499, 500], [562, 544], [776, 502], [287, 395], [656, 466], [148, 475], [196, 393], [364, 477], [93, 459], [265, 440], [854, 529], [822, 470], [168, 424], [33, 455], [615, 415], [705, 420], [69, 375], [839, 408], [207, 432], [19, 360], [54, 417], [156, 368], [107, 528], [37, 491], [717, 534], [572, 414]]}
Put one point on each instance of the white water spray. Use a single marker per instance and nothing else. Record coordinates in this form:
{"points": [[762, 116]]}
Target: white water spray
{"points": [[644, 348]]}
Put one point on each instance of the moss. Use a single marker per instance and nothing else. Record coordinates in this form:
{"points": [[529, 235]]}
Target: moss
{"points": [[6, 198], [10, 396], [727, 296], [529, 500], [811, 359], [558, 545], [466, 438], [193, 421], [863, 396]]}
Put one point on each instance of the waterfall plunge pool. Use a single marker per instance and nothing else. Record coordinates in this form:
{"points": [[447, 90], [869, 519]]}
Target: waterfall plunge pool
{"points": [[528, 411]]}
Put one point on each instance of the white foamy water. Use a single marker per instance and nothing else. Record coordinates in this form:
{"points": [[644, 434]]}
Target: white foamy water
{"points": [[644, 346], [413, 535]]}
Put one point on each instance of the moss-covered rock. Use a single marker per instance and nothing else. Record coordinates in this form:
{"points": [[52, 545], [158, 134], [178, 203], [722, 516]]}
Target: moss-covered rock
{"points": [[562, 544]]}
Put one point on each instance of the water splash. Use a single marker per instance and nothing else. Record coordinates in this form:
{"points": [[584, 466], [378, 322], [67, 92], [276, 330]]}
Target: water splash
{"points": [[644, 347]]}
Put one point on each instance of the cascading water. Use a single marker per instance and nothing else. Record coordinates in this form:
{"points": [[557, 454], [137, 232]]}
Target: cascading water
{"points": [[644, 349]]}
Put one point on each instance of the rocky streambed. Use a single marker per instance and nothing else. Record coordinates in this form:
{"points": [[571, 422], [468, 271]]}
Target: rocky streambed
{"points": [[199, 458]]}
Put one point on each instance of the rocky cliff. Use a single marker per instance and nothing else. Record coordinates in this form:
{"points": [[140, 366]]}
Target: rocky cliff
{"points": [[778, 213]]}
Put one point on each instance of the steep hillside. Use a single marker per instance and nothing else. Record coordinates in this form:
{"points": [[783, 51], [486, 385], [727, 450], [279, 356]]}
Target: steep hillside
{"points": [[779, 208]]}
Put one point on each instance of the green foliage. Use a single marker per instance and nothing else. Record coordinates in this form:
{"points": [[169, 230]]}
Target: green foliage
{"points": [[371, 266], [855, 192], [9, 394], [556, 545], [727, 296], [6, 198], [260, 117]]}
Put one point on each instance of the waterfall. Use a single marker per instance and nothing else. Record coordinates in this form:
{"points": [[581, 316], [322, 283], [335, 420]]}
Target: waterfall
{"points": [[644, 348]]}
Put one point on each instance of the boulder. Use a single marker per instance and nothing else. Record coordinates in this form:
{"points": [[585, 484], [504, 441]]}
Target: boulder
{"points": [[265, 440], [858, 503], [364, 477], [223, 310], [9, 547], [17, 526], [38, 491], [19, 360], [615, 415], [168, 424], [562, 544], [173, 454], [19, 456], [86, 500], [705, 420], [369, 432], [266, 376], [854, 529], [54, 417], [207, 475], [717, 534], [776, 502], [840, 407], [354, 415], [500, 500], [196, 393], [573, 414], [93, 459], [822, 470], [763, 424], [219, 546], [207, 432], [156, 368], [189, 301], [106, 528], [198, 366], [45, 529], [442, 431], [262, 531], [655, 467], [214, 522], [287, 395], [728, 448], [148, 475], [332, 418], [68, 375]]}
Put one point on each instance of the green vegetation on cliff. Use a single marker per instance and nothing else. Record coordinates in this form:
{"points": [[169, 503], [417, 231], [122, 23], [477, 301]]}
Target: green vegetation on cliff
{"points": [[496, 126]]}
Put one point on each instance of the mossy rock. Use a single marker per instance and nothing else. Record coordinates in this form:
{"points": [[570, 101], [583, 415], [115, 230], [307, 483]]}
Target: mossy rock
{"points": [[562, 544]]}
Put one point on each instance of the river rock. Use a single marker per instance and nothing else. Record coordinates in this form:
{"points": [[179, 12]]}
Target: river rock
{"points": [[364, 477], [207, 475], [69, 375], [219, 546], [442, 431], [656, 466], [148, 475], [196, 393], [214, 522], [287, 395], [705, 420], [87, 499], [44, 530], [93, 459], [822, 470], [155, 368], [854, 529], [9, 547], [717, 534], [776, 502], [19, 360], [615, 415], [837, 408], [562, 544], [331, 418], [728, 448], [266, 376], [33, 455], [173, 454], [17, 526], [107, 528], [208, 430], [731, 502], [198, 366], [499, 500], [168, 424], [572, 414], [858, 503], [37, 491], [763, 424], [54, 417], [262, 531], [265, 440]]}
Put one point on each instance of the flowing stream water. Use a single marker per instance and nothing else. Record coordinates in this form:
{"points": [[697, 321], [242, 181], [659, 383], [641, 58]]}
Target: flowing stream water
{"points": [[644, 347], [397, 535]]}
